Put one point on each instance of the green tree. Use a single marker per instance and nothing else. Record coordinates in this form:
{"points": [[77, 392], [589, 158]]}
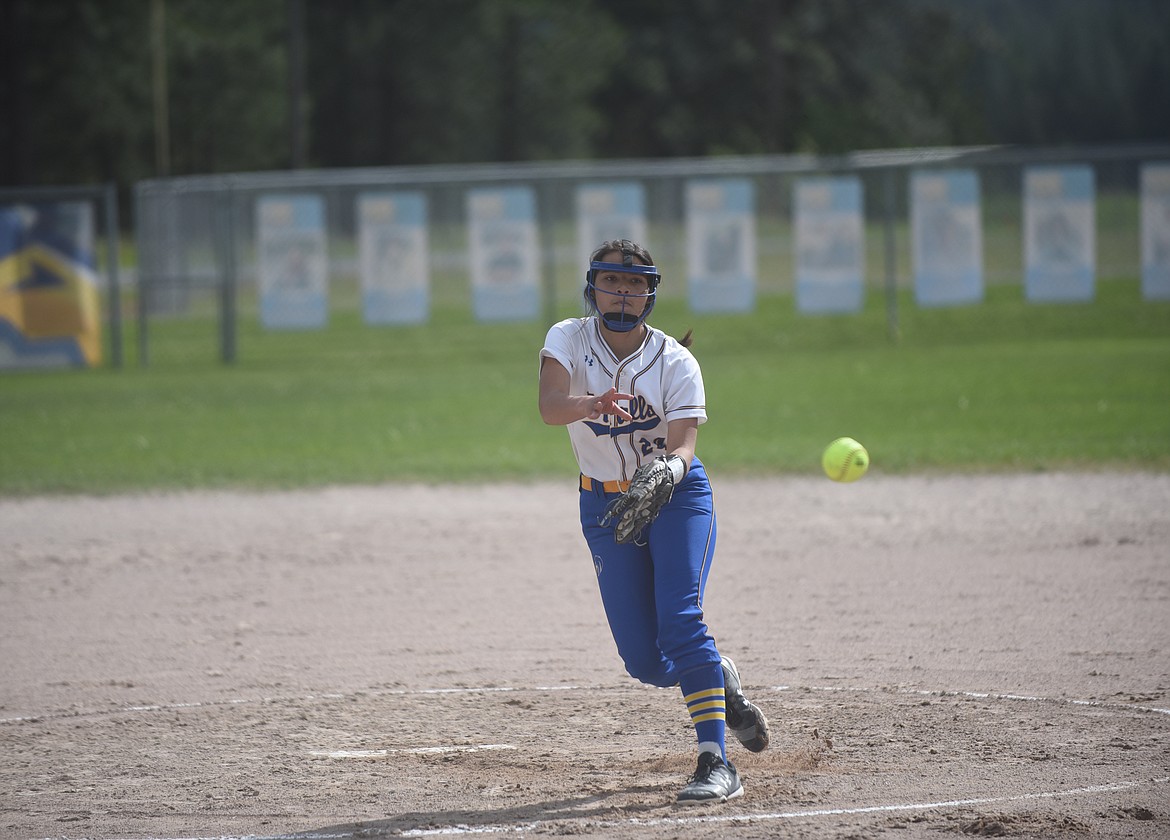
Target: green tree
{"points": [[420, 81], [756, 76], [393, 82], [1073, 71], [78, 89], [76, 92], [228, 75]]}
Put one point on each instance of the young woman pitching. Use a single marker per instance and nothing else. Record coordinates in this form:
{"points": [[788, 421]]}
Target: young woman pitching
{"points": [[632, 399]]}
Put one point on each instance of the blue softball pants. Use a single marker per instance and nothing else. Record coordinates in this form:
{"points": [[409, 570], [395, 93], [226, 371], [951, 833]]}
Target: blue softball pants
{"points": [[653, 593]]}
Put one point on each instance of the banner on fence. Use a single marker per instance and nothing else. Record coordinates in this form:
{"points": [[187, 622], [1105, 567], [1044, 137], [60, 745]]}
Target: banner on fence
{"points": [[830, 245], [606, 212], [1156, 231], [393, 257], [721, 245], [947, 237], [293, 272], [505, 257], [1060, 249], [49, 303]]}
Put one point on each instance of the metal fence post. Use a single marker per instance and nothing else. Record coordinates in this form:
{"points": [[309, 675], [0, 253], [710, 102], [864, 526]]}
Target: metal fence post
{"points": [[113, 242], [549, 229], [893, 331], [142, 228], [227, 286]]}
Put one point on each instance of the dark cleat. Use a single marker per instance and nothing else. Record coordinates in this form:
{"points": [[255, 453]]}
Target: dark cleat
{"points": [[714, 781], [744, 718]]}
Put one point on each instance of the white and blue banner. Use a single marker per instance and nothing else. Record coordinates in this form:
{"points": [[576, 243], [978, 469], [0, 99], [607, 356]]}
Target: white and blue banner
{"points": [[830, 245], [290, 244], [1060, 246], [392, 254], [505, 256], [721, 245], [946, 237], [606, 212], [1156, 231]]}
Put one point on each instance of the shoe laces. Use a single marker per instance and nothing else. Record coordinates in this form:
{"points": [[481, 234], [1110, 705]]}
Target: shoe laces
{"points": [[708, 761]]}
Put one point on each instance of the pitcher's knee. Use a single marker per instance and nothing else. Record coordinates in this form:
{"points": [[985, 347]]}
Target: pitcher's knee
{"points": [[656, 673]]}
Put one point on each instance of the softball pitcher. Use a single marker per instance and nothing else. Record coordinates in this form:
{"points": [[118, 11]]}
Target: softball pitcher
{"points": [[632, 399]]}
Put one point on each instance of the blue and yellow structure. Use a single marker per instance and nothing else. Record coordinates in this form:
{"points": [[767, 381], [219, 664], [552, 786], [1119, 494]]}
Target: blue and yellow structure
{"points": [[49, 303]]}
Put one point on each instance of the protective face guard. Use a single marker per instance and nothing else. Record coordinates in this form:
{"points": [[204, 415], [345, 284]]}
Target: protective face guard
{"points": [[622, 321]]}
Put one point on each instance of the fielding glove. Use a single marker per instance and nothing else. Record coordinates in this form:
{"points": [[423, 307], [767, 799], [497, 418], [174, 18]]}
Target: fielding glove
{"points": [[650, 489]]}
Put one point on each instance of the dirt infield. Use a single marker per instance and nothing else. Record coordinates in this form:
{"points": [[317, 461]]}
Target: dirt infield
{"points": [[939, 657]]}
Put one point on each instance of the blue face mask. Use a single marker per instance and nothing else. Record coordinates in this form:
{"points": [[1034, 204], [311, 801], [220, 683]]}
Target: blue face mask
{"points": [[622, 321]]}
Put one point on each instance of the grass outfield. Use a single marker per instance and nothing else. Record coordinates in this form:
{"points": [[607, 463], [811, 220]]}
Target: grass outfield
{"points": [[1005, 385]]}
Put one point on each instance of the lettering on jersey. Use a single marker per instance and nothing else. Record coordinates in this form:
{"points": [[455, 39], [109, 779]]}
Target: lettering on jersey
{"points": [[588, 360], [644, 419]]}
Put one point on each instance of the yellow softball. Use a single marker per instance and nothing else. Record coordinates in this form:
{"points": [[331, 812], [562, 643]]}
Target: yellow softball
{"points": [[845, 460]]}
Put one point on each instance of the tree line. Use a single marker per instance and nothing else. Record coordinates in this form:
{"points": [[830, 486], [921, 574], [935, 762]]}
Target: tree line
{"points": [[101, 91]]}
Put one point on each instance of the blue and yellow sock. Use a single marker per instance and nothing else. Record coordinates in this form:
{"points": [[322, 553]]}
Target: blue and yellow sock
{"points": [[703, 693]]}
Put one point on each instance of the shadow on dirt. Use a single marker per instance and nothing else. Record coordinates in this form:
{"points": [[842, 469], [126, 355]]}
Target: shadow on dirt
{"points": [[579, 811]]}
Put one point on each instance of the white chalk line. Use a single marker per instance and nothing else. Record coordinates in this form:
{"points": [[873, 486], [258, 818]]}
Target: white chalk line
{"points": [[520, 828], [526, 827], [409, 692], [793, 815], [240, 701], [979, 695], [408, 751]]}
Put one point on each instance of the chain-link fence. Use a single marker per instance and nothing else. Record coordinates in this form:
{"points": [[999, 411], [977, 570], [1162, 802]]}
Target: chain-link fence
{"points": [[198, 253]]}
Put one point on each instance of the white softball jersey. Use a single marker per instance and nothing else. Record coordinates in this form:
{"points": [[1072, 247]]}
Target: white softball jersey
{"points": [[663, 376]]}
